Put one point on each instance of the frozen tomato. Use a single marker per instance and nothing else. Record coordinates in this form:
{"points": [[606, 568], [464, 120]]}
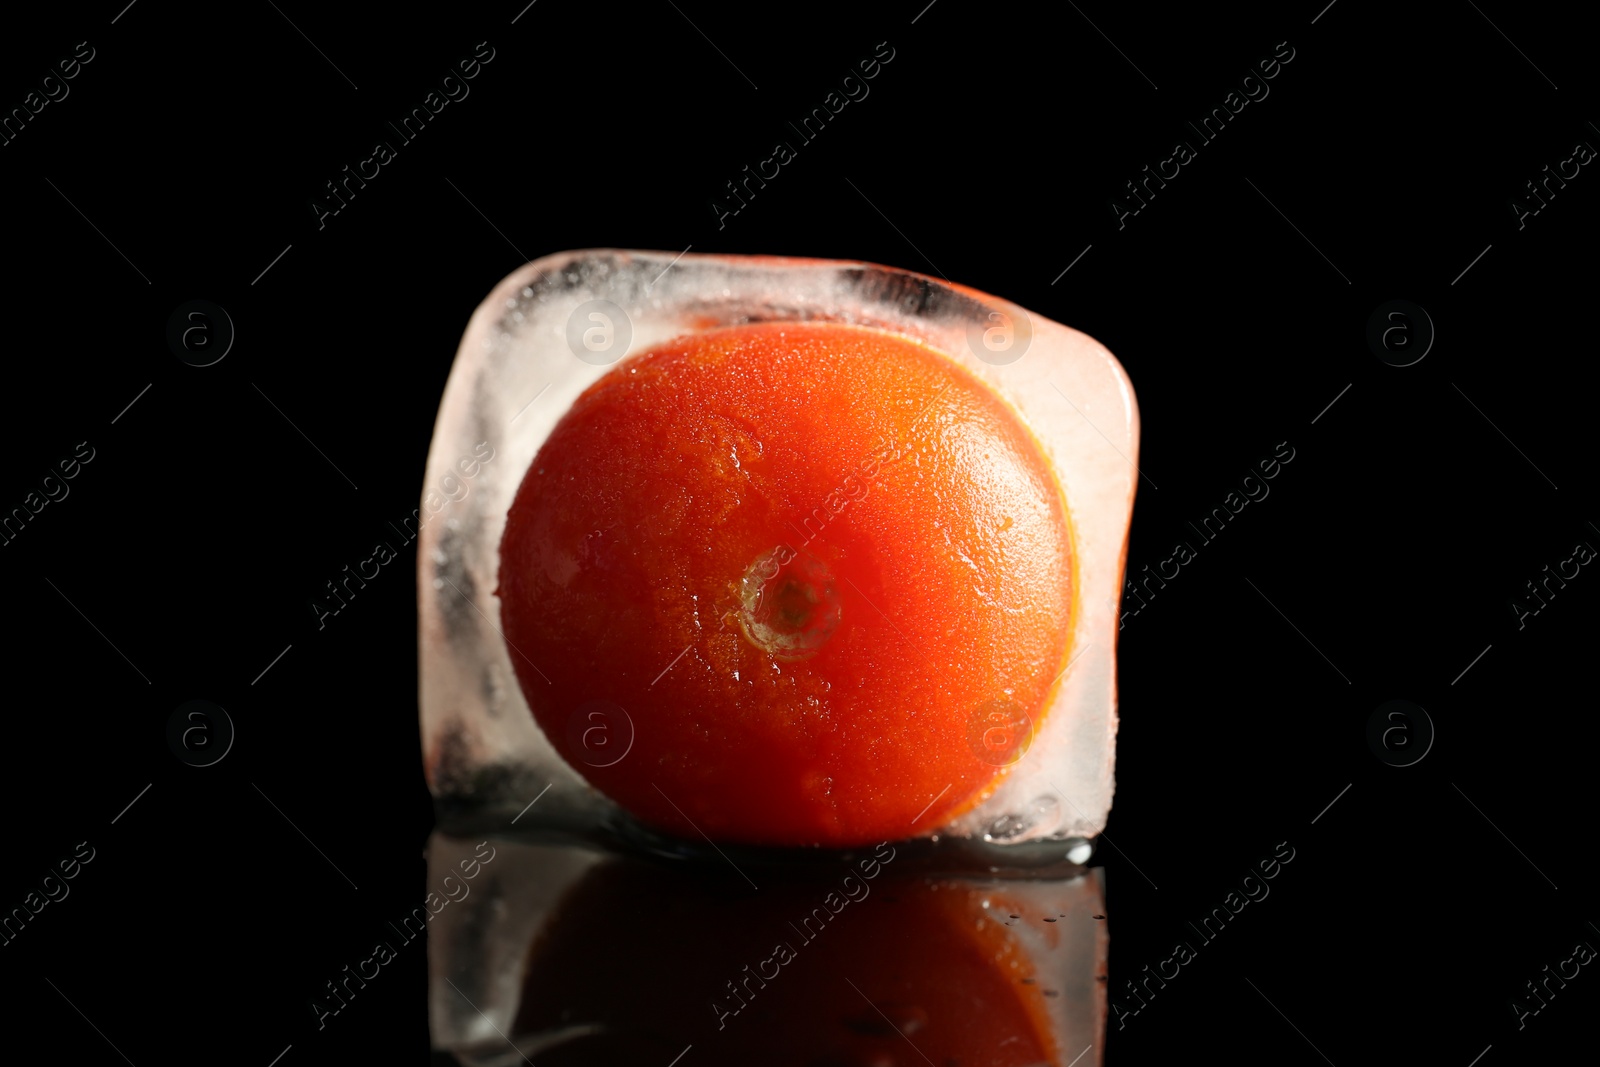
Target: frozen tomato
{"points": [[825, 572]]}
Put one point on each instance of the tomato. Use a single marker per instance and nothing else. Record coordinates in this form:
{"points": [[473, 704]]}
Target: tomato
{"points": [[789, 584]]}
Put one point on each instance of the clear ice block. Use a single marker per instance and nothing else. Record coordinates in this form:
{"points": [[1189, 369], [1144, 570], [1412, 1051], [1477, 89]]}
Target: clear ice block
{"points": [[553, 327]]}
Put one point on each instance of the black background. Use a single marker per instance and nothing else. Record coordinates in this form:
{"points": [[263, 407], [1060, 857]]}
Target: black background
{"points": [[1383, 563]]}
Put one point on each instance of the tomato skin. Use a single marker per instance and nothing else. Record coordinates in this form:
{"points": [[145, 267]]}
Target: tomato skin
{"points": [[805, 560]]}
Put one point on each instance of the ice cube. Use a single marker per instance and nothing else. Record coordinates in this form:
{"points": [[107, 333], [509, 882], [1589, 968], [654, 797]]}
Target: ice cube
{"points": [[553, 327]]}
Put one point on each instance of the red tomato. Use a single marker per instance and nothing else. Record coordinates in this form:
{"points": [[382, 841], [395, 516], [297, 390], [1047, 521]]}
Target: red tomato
{"points": [[825, 571]]}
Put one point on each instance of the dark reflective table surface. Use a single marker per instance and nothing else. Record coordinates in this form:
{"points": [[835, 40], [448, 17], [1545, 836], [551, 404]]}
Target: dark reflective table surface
{"points": [[559, 953]]}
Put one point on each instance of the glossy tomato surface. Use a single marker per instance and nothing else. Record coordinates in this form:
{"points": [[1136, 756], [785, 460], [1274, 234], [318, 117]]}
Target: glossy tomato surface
{"points": [[789, 584]]}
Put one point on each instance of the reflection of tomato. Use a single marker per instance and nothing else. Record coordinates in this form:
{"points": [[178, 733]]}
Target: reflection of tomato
{"points": [[804, 559], [635, 963]]}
